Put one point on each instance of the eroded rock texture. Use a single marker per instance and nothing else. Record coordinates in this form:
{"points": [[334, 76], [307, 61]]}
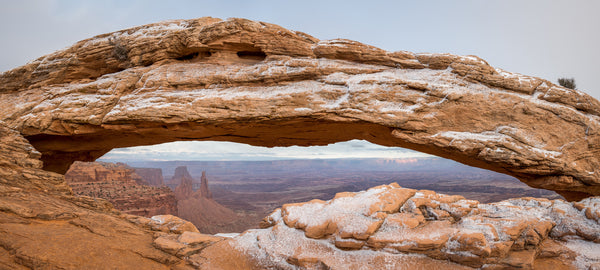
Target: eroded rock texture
{"points": [[44, 226], [122, 186], [257, 83], [389, 227]]}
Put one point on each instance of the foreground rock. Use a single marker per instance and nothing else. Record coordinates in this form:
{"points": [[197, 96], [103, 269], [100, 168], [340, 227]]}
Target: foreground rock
{"points": [[44, 226], [389, 227], [257, 83], [121, 186]]}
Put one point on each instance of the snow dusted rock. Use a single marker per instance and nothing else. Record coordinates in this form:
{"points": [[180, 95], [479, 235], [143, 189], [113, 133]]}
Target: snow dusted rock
{"points": [[188, 243], [257, 83], [433, 229], [171, 224], [164, 223]]}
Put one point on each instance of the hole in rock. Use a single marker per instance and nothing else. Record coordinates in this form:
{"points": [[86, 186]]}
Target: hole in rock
{"points": [[194, 55], [252, 55], [230, 187]]}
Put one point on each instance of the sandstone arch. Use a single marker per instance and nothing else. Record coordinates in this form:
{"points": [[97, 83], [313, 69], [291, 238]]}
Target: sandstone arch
{"points": [[258, 83]]}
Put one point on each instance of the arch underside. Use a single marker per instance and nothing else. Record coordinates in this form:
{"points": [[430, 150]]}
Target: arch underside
{"points": [[301, 131]]}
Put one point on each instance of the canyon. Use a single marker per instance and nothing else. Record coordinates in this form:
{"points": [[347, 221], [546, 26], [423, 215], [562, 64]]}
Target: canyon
{"points": [[122, 186], [132, 194], [198, 206], [258, 83]]}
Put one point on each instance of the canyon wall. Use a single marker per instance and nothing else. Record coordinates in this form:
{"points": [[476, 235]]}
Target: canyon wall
{"points": [[43, 225], [120, 185]]}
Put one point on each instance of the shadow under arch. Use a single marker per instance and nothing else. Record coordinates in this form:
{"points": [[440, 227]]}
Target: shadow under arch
{"points": [[302, 131]]}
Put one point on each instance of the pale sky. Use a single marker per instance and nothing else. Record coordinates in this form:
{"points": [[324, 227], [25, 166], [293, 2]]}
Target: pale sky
{"points": [[543, 38], [236, 151]]}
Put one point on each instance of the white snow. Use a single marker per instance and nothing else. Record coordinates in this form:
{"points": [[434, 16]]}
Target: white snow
{"points": [[482, 137], [227, 235], [159, 219], [303, 109], [349, 213], [588, 252], [488, 137]]}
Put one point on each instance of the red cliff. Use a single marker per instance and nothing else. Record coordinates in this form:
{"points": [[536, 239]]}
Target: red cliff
{"points": [[120, 185]]}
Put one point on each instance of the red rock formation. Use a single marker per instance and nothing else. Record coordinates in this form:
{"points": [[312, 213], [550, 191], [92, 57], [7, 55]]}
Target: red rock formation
{"points": [[44, 226], [261, 84], [185, 189], [181, 172], [152, 176], [204, 191], [120, 185], [380, 227], [199, 208]]}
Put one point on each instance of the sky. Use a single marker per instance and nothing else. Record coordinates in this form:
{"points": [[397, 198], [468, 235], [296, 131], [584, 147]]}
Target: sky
{"points": [[218, 151], [542, 38]]}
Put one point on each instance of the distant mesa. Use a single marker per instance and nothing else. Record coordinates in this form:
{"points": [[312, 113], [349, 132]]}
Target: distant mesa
{"points": [[122, 186], [152, 176]]}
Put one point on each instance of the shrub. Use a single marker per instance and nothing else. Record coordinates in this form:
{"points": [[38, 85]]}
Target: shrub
{"points": [[567, 82], [119, 50]]}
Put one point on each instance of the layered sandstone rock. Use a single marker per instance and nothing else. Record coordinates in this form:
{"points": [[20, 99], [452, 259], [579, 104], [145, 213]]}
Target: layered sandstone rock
{"points": [[387, 227], [44, 226], [257, 83], [120, 185]]}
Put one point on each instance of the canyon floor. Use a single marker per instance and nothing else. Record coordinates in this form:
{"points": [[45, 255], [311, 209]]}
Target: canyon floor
{"points": [[253, 189]]}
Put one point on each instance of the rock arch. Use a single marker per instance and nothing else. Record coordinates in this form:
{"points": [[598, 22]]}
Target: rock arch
{"points": [[260, 84]]}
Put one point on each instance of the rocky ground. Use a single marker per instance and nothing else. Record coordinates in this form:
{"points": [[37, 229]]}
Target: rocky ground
{"points": [[389, 227]]}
